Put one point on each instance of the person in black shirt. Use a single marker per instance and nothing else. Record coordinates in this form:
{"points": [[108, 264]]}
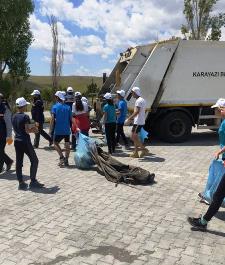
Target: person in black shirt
{"points": [[37, 112], [23, 145], [5, 133]]}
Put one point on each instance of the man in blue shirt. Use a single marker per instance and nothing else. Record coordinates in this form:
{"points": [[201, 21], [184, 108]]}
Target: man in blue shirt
{"points": [[61, 119], [121, 117]]}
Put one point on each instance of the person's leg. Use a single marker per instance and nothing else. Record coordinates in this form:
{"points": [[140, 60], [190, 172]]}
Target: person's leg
{"points": [[67, 152], [113, 136], [29, 151], [19, 148], [118, 132], [44, 134], [2, 152], [123, 135], [218, 197], [57, 140], [108, 139], [37, 137]]}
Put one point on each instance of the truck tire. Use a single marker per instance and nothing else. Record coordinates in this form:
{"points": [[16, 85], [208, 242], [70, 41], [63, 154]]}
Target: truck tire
{"points": [[175, 127]]}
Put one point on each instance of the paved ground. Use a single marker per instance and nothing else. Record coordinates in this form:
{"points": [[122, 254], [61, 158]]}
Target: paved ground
{"points": [[80, 218]]}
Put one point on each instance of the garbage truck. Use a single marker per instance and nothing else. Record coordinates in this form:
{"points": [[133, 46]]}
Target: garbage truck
{"points": [[179, 79]]}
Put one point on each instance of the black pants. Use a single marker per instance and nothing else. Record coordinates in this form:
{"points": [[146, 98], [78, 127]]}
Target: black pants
{"points": [[110, 130], [120, 132], [218, 197], [42, 133], [4, 158], [21, 149]]}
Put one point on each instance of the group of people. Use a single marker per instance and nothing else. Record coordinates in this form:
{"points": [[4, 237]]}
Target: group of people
{"points": [[69, 115], [115, 117]]}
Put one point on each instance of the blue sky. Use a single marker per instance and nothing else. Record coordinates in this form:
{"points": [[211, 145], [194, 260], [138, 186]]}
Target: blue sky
{"points": [[94, 32]]}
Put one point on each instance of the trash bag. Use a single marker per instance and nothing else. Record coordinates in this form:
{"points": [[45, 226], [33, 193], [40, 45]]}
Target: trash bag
{"points": [[216, 171], [143, 135], [82, 157]]}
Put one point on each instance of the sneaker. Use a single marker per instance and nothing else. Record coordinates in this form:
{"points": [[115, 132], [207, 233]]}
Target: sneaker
{"points": [[36, 185], [144, 152], [8, 167], [196, 223], [66, 163], [127, 147], [23, 186], [61, 162], [134, 155], [118, 145]]}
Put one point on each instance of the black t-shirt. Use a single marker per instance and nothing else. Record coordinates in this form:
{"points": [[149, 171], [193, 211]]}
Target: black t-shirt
{"points": [[18, 121], [37, 111]]}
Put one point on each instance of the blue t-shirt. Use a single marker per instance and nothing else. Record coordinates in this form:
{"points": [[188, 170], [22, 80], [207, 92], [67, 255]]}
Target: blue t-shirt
{"points": [[63, 115], [18, 121], [222, 136], [111, 113], [122, 107]]}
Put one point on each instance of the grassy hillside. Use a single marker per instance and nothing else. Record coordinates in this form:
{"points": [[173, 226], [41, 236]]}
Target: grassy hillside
{"points": [[79, 83]]}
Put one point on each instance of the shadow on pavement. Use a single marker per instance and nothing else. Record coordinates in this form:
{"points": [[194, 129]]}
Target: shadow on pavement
{"points": [[45, 190], [12, 176], [152, 159], [208, 138]]}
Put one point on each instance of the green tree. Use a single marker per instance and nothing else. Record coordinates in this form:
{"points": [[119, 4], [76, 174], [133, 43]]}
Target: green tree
{"points": [[200, 21], [92, 90], [16, 37]]}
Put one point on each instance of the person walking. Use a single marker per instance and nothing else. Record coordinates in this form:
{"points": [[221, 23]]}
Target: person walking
{"points": [[121, 117], [139, 122], [219, 195], [37, 112], [23, 145], [81, 114], [61, 120], [5, 133], [109, 120]]}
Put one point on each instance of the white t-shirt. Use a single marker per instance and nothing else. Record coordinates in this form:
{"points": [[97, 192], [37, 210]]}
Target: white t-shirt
{"points": [[140, 118], [80, 112]]}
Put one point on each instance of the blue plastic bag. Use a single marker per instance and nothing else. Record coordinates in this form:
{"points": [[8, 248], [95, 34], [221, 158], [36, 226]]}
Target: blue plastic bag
{"points": [[216, 171], [143, 135], [82, 156]]}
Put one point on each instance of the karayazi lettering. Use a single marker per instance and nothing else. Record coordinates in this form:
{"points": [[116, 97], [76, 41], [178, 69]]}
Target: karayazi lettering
{"points": [[208, 74]]}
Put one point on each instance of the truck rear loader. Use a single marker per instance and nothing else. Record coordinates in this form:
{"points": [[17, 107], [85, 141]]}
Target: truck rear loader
{"points": [[179, 79]]}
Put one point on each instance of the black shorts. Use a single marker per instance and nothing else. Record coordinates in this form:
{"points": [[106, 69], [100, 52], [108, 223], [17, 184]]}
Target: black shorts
{"points": [[59, 138], [136, 128]]}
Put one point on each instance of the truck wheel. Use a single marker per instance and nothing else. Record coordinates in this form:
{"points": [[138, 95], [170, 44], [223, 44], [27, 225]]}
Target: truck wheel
{"points": [[175, 127]]}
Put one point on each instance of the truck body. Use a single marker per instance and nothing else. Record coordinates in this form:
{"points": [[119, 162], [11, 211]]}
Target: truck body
{"points": [[179, 79]]}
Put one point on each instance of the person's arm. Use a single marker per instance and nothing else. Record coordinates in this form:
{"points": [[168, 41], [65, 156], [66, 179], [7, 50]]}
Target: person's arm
{"points": [[28, 127], [8, 122], [135, 113], [52, 122], [104, 114]]}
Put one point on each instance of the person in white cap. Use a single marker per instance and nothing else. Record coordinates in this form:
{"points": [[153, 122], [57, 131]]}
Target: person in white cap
{"points": [[61, 123], [139, 122], [69, 97], [22, 142], [201, 222], [121, 117], [80, 116], [109, 120], [37, 112]]}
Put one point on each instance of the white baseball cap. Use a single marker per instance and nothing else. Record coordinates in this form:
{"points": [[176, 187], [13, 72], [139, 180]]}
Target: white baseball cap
{"points": [[21, 102], [60, 95], [35, 92], [64, 93], [121, 93], [107, 96], [137, 91], [77, 94], [219, 104], [69, 89], [84, 99]]}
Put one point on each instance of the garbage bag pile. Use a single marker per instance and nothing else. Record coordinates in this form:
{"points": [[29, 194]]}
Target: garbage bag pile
{"points": [[216, 171]]}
